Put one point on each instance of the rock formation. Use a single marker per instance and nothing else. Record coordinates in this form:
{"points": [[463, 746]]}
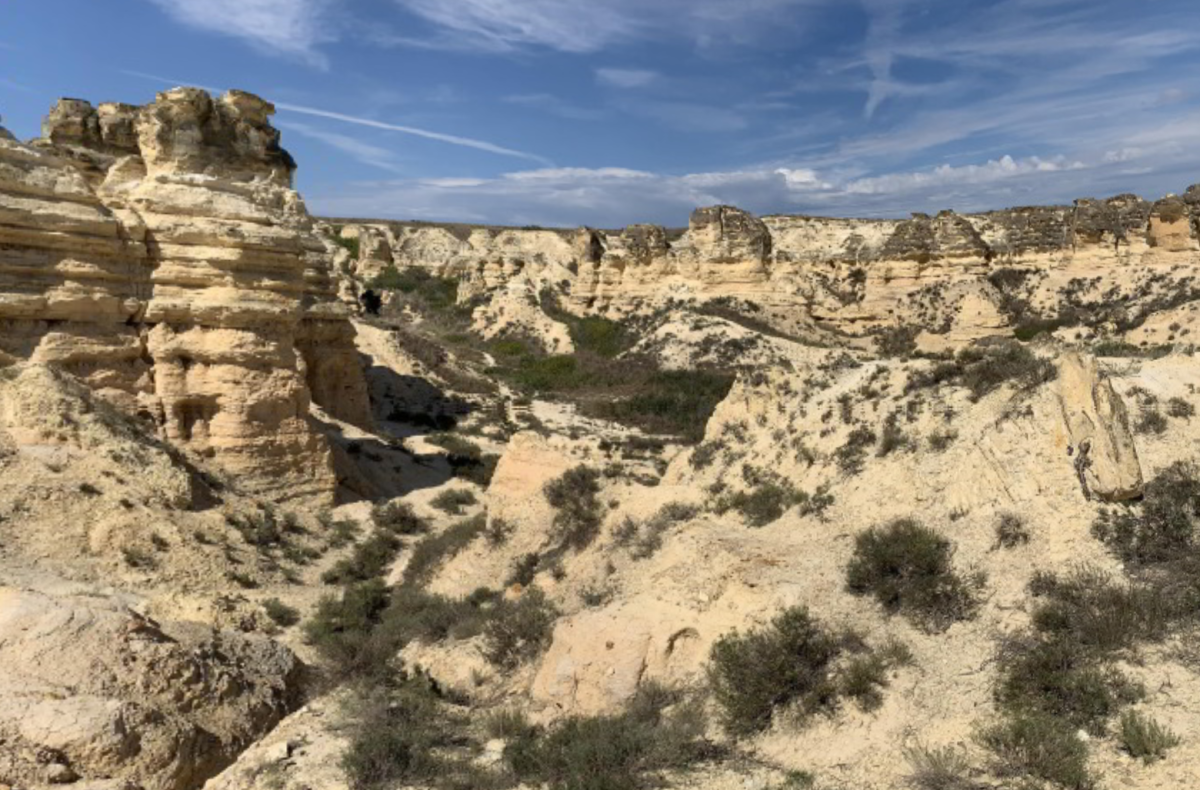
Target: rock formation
{"points": [[1102, 446], [853, 276], [161, 255]]}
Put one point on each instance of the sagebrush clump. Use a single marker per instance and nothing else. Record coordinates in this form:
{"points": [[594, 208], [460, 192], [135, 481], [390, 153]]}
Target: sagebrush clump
{"points": [[906, 567]]}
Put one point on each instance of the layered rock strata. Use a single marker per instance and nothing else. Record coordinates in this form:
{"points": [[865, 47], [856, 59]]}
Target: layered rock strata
{"points": [[161, 255], [956, 277]]}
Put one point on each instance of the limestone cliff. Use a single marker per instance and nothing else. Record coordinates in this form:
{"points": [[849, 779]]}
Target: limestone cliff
{"points": [[160, 254], [1108, 264]]}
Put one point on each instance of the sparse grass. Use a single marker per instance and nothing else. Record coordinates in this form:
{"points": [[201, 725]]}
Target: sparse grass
{"points": [[1144, 738], [1011, 531], [498, 532], [579, 512], [243, 580], [280, 613], [433, 550], [1039, 746], [906, 567], [341, 630], [938, 768], [338, 532], [648, 539], [454, 501], [892, 438]]}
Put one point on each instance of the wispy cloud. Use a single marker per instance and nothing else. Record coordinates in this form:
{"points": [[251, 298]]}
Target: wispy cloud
{"points": [[582, 26], [364, 152], [626, 78], [14, 86], [555, 106], [294, 28], [465, 142], [613, 197]]}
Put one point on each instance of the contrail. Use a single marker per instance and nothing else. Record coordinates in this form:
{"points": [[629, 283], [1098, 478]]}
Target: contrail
{"points": [[465, 142]]}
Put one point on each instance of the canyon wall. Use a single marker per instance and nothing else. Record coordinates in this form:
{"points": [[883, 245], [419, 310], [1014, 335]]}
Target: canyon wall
{"points": [[160, 254], [951, 277]]}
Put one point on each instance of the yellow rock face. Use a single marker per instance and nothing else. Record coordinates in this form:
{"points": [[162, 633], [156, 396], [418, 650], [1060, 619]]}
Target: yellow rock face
{"points": [[161, 255]]}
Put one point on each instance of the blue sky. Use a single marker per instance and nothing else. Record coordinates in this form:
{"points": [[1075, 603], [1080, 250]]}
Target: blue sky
{"points": [[607, 112]]}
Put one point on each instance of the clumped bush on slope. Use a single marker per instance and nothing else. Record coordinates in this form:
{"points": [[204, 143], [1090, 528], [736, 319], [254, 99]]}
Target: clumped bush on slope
{"points": [[984, 369], [1162, 527], [436, 549], [1040, 746], [791, 664], [658, 731], [906, 567], [579, 512], [1144, 738]]}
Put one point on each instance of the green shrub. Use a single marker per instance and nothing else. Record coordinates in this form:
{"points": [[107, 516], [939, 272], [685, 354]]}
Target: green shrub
{"points": [[617, 752], [397, 738], [398, 518], [1091, 612], [339, 532], [433, 550], [341, 629], [467, 461], [453, 501], [1180, 409], [899, 341], [677, 402], [574, 496], [1056, 679], [1039, 746], [348, 244], [1163, 526], [906, 567], [280, 613], [940, 439], [524, 570], [1144, 738], [430, 292], [1011, 531], [415, 614], [763, 504], [519, 630], [369, 560], [893, 437], [139, 558], [850, 455], [787, 663], [1151, 421], [985, 368]]}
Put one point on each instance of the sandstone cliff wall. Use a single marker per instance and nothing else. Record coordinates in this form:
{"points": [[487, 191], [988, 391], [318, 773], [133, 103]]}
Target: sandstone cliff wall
{"points": [[161, 255], [954, 277]]}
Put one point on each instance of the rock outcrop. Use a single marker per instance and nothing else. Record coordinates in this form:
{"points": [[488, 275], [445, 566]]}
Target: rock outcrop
{"points": [[92, 689], [1102, 447], [161, 255]]}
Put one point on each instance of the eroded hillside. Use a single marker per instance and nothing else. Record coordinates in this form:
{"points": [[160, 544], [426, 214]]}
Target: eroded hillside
{"points": [[772, 503]]}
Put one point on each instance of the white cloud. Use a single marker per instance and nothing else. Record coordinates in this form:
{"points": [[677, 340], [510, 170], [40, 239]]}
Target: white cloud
{"points": [[626, 78], [366, 153], [613, 197], [555, 106], [289, 27], [582, 26]]}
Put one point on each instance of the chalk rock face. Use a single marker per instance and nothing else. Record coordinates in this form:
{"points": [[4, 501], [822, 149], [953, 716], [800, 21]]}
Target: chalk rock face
{"points": [[93, 690], [1171, 225], [724, 234], [160, 254], [1103, 449]]}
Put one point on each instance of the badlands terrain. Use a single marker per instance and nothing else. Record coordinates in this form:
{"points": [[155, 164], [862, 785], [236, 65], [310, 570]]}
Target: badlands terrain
{"points": [[784, 502]]}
